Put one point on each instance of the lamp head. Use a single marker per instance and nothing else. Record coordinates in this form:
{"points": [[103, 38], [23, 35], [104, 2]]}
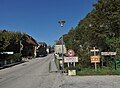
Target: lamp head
{"points": [[61, 22]]}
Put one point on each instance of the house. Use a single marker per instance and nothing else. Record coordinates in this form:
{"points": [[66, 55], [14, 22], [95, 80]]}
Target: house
{"points": [[17, 43], [29, 46]]}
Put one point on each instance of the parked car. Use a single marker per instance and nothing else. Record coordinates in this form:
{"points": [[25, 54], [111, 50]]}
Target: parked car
{"points": [[42, 49]]}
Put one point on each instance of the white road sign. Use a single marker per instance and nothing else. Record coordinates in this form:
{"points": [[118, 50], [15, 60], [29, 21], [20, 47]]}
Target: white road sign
{"points": [[7, 52], [70, 59], [108, 53], [58, 49]]}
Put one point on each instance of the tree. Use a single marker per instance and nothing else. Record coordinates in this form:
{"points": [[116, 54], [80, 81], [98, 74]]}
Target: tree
{"points": [[100, 28], [8, 38]]}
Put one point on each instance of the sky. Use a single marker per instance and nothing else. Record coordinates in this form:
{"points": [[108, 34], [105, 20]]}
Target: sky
{"points": [[39, 18]]}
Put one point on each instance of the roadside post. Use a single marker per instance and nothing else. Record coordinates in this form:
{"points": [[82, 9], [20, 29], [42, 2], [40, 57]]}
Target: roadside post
{"points": [[62, 22], [71, 60], [95, 58]]}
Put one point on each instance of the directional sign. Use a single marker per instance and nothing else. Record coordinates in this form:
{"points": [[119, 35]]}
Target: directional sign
{"points": [[71, 53], [94, 50], [108, 53]]}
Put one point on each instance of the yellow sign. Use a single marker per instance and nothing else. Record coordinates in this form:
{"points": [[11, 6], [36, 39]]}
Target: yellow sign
{"points": [[71, 72], [95, 59]]}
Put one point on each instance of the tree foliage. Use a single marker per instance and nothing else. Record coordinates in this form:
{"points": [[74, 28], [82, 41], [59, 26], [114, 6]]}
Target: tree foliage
{"points": [[100, 29], [8, 38]]}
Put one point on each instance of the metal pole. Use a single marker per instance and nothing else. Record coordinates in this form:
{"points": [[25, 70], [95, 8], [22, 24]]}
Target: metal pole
{"points": [[62, 24], [62, 55]]}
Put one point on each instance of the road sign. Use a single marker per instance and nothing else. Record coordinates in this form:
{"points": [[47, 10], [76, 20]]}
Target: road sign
{"points": [[6, 52], [58, 49], [108, 53], [70, 59], [71, 72], [94, 50], [95, 59], [71, 53]]}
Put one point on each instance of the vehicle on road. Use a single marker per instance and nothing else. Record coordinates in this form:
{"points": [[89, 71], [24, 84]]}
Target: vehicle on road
{"points": [[42, 49]]}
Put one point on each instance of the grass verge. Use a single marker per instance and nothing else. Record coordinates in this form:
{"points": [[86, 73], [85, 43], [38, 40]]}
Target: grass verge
{"points": [[99, 71], [57, 63]]}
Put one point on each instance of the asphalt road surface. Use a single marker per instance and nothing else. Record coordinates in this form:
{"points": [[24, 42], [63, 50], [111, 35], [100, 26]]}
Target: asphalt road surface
{"points": [[91, 82], [35, 74], [32, 74]]}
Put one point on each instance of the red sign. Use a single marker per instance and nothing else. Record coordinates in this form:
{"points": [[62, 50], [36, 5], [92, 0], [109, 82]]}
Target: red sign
{"points": [[71, 53]]}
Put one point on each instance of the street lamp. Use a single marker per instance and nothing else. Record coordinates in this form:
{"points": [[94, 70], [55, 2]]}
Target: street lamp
{"points": [[62, 22]]}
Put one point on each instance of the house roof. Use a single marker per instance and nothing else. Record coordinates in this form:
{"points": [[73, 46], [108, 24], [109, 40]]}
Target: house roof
{"points": [[31, 40]]}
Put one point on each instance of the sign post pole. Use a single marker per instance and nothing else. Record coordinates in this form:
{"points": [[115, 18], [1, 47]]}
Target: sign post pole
{"points": [[68, 64], [74, 64], [95, 66], [62, 22], [94, 58]]}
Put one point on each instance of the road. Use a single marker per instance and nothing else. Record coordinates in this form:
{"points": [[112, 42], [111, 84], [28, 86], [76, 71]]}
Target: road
{"points": [[91, 82], [32, 74], [35, 74]]}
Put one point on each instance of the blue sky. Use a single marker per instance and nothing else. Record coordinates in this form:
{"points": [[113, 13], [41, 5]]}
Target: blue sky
{"points": [[39, 18]]}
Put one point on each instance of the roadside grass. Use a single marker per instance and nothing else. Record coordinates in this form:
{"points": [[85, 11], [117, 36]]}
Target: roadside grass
{"points": [[50, 67], [57, 63], [99, 71]]}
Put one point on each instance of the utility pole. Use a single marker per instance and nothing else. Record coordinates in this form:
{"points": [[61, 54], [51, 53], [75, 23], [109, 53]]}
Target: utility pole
{"points": [[62, 22]]}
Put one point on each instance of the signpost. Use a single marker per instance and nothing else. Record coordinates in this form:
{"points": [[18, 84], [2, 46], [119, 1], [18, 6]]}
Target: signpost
{"points": [[94, 50], [71, 59], [95, 58]]}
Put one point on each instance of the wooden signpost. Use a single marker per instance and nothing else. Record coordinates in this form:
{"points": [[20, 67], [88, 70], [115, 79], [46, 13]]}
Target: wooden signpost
{"points": [[95, 58]]}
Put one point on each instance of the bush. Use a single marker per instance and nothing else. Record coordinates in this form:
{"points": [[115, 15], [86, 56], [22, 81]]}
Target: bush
{"points": [[15, 57]]}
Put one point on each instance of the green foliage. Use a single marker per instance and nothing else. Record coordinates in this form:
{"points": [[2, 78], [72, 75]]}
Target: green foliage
{"points": [[100, 29], [99, 71], [7, 38], [15, 57], [113, 42], [69, 39]]}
